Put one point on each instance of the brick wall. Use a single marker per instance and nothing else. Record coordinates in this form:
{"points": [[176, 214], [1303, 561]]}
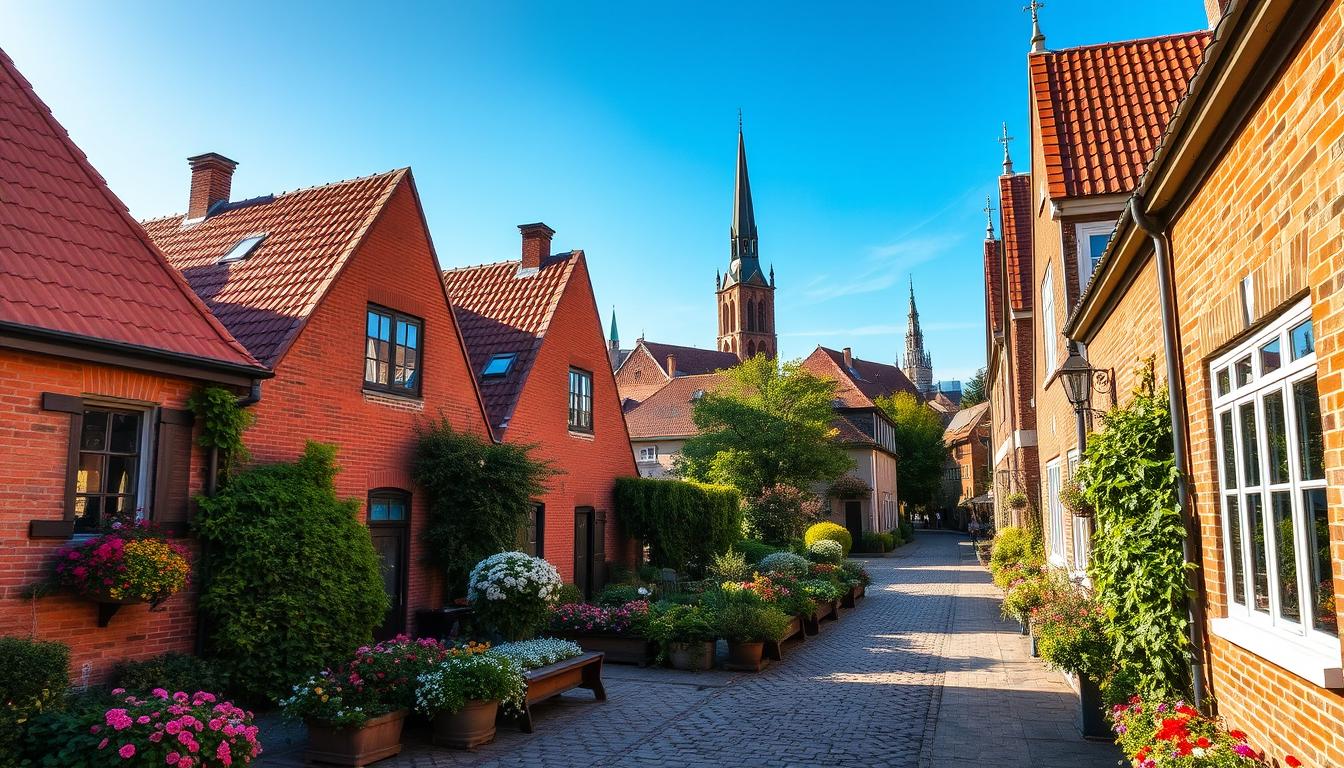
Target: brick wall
{"points": [[641, 375], [35, 446]]}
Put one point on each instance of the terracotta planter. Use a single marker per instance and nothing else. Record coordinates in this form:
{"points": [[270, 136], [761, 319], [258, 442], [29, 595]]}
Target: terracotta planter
{"points": [[349, 745], [472, 726], [617, 649], [747, 656], [697, 657]]}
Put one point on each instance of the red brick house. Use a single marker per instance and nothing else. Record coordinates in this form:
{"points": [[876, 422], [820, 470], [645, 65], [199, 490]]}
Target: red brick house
{"points": [[966, 471], [101, 343], [651, 365], [336, 288], [536, 345]]}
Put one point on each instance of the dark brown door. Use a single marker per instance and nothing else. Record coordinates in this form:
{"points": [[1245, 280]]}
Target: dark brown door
{"points": [[389, 527], [854, 519], [583, 542]]}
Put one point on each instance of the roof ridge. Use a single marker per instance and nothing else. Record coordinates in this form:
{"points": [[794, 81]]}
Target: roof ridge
{"points": [[287, 193], [1119, 43]]}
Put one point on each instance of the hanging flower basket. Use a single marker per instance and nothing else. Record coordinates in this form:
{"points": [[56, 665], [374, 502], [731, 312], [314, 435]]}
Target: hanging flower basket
{"points": [[1071, 496], [849, 487], [1017, 500], [128, 564]]}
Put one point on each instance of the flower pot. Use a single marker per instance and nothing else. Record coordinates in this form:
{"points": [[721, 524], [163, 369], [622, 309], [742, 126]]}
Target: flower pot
{"points": [[1035, 652], [472, 726], [745, 655], [1091, 710], [693, 656], [1084, 512], [376, 739]]}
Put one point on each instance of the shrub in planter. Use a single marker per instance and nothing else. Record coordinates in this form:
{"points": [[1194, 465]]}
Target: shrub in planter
{"points": [[512, 593], [171, 671], [871, 541], [463, 694], [754, 551], [786, 563], [377, 680], [729, 566], [781, 513], [177, 729], [1158, 734], [33, 679], [832, 531], [582, 618], [537, 653], [743, 619], [826, 551], [1071, 634], [684, 630], [856, 572], [893, 539], [1027, 593], [128, 564], [821, 590]]}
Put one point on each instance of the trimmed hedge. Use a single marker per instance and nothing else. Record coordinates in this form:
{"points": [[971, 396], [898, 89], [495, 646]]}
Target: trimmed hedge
{"points": [[832, 531], [34, 678], [754, 550], [170, 671], [684, 523]]}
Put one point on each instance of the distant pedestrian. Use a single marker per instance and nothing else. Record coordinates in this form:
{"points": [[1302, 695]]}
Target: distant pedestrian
{"points": [[938, 519]]}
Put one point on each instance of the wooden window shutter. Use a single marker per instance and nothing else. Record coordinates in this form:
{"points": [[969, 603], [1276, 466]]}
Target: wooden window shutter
{"points": [[61, 529], [172, 471], [599, 548]]}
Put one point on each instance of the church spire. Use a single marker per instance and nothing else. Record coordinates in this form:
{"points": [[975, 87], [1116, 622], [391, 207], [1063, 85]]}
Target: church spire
{"points": [[745, 296], [918, 363], [744, 218], [1037, 36], [615, 335]]}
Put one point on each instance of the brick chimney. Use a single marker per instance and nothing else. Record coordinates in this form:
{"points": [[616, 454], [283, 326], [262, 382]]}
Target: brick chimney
{"points": [[672, 366], [211, 182], [1214, 9], [536, 244], [849, 357]]}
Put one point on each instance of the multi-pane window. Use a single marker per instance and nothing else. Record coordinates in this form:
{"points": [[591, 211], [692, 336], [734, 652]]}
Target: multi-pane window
{"points": [[392, 352], [111, 454], [387, 506], [1055, 510], [1270, 454], [1092, 237], [1049, 336], [580, 400], [648, 454]]}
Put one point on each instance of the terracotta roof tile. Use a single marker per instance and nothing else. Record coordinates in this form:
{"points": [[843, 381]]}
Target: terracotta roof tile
{"points": [[1015, 203], [668, 412], [965, 423], [500, 311], [72, 260], [860, 385], [690, 360], [1103, 108], [310, 234]]}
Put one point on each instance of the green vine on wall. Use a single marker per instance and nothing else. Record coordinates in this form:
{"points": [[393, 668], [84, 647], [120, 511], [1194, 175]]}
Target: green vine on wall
{"points": [[223, 422], [1137, 568]]}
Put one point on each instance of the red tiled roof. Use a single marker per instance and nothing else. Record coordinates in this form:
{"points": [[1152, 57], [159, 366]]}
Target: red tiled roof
{"points": [[847, 433], [690, 360], [1015, 205], [860, 385], [964, 424], [1103, 108], [667, 412], [499, 312], [73, 261], [310, 235]]}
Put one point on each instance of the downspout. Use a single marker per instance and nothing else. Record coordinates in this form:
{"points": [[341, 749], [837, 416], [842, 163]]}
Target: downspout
{"points": [[1171, 348]]}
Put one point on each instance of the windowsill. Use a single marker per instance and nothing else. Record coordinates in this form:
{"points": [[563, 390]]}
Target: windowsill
{"points": [[1304, 659], [393, 398], [581, 435]]}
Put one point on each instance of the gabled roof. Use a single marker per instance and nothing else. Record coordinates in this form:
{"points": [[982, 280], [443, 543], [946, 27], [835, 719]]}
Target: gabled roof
{"points": [[691, 361], [859, 385], [1015, 205], [74, 265], [849, 433], [964, 424], [502, 312], [266, 298], [668, 412], [1102, 108]]}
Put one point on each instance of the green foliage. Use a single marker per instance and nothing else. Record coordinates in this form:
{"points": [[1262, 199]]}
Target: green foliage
{"points": [[787, 563], [743, 617], [768, 425], [33, 680], [569, 593], [1029, 591], [222, 422], [479, 493], [172, 672], [1014, 551], [781, 513], [827, 551], [754, 550], [1017, 500], [61, 737], [919, 444], [729, 566], [616, 595], [849, 487], [1137, 569], [832, 531], [292, 582], [1072, 498], [683, 624], [871, 541], [684, 523], [1071, 634], [458, 680], [974, 393], [907, 531]]}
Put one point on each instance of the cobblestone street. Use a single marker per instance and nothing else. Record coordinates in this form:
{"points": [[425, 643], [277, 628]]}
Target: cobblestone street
{"points": [[922, 673]]}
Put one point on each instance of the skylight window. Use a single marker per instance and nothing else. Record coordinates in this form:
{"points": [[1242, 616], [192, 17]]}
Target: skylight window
{"points": [[499, 365], [243, 249]]}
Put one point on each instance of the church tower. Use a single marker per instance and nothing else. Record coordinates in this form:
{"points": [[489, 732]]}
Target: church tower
{"points": [[918, 363], [746, 299]]}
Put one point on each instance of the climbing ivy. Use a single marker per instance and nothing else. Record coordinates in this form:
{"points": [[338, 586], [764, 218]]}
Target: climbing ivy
{"points": [[223, 422], [1137, 568]]}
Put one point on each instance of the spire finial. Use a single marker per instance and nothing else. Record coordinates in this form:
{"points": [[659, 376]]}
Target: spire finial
{"points": [[1005, 139], [989, 218], [739, 119], [1037, 37]]}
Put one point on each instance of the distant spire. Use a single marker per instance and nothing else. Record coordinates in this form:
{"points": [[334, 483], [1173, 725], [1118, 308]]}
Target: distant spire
{"points": [[744, 217], [913, 312], [772, 275], [1037, 37], [1007, 159], [989, 223], [615, 335]]}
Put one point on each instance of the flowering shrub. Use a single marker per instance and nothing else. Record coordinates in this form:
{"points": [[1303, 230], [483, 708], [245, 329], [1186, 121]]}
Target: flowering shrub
{"points": [[532, 654], [129, 563], [196, 731], [820, 589], [1028, 591], [377, 680], [786, 563], [1071, 634], [832, 531], [763, 587], [453, 682], [827, 551], [512, 593], [856, 573], [1175, 735], [630, 618], [782, 512]]}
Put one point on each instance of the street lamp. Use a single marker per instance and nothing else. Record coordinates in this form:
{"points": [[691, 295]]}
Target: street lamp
{"points": [[1076, 376]]}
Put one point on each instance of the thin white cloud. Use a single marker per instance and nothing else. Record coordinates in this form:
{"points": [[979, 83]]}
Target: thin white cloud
{"points": [[882, 330], [884, 267]]}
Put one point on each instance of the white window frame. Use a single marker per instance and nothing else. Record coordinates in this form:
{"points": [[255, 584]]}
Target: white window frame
{"points": [[1082, 237], [1297, 646], [1049, 332], [648, 453], [1055, 512]]}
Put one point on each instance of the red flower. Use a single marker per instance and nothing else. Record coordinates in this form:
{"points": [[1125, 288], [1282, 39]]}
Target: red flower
{"points": [[1292, 762], [1202, 742], [1238, 735], [1172, 728]]}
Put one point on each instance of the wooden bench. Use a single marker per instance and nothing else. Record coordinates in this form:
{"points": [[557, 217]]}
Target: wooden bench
{"points": [[547, 682]]}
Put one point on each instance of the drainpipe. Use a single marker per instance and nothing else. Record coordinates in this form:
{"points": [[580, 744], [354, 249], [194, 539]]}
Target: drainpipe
{"points": [[1171, 348]]}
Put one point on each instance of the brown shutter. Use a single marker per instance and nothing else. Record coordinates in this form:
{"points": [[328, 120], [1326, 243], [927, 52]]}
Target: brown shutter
{"points": [[172, 471], [61, 529], [599, 548]]}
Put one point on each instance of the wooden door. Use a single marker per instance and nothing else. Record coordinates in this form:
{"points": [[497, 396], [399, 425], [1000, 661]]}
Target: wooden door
{"points": [[854, 519], [583, 541], [389, 527]]}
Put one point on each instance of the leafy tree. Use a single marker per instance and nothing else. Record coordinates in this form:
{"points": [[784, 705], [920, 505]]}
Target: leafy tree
{"points": [[919, 448], [782, 513], [974, 392], [769, 425]]}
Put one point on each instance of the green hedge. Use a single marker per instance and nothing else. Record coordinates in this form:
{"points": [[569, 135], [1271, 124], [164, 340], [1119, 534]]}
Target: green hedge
{"points": [[33, 678], [684, 523], [292, 583]]}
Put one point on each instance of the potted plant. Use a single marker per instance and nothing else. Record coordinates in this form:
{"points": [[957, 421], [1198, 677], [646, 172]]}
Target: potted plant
{"points": [[462, 695], [1172, 733], [128, 563], [164, 729], [512, 593], [619, 632], [857, 576], [1016, 500], [1071, 637], [1029, 591], [1074, 499], [747, 622], [685, 635], [355, 711]]}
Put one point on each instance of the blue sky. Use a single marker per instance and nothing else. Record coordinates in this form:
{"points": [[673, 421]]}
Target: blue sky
{"points": [[870, 132]]}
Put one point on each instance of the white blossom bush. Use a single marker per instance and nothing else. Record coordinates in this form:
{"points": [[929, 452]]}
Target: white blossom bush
{"points": [[459, 680], [541, 652], [786, 563], [827, 551], [512, 593]]}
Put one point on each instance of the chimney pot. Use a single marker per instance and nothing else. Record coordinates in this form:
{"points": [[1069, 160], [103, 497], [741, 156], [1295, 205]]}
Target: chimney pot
{"points": [[211, 182], [849, 357], [536, 244], [672, 366]]}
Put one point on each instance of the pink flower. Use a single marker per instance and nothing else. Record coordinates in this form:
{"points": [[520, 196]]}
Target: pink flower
{"points": [[156, 736], [172, 758], [127, 751], [102, 744], [159, 692]]}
